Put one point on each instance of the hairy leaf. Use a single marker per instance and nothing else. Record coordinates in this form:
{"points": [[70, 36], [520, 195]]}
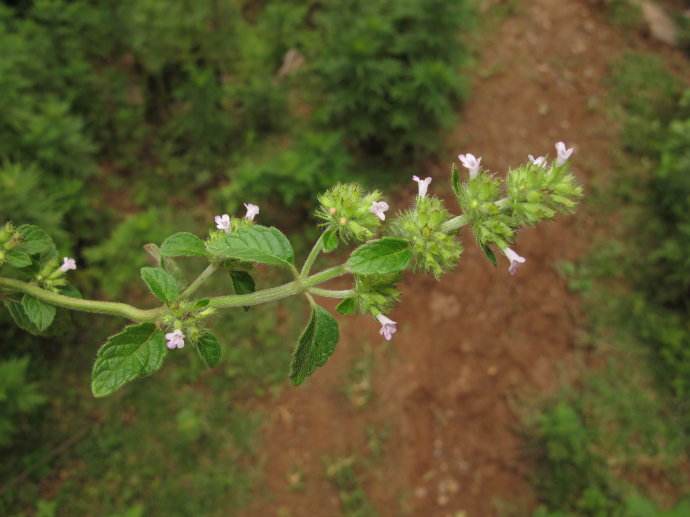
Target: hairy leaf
{"points": [[347, 306], [183, 244], [242, 282], [137, 351], [330, 241], [39, 313], [21, 319], [387, 255], [18, 258], [316, 344], [34, 240], [209, 349], [254, 244], [161, 283]]}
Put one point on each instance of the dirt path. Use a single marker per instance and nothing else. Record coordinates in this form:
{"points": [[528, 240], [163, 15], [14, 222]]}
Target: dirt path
{"points": [[470, 346]]}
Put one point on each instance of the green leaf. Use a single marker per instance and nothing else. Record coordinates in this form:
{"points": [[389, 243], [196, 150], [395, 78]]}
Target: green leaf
{"points": [[330, 241], [254, 244], [347, 306], [242, 282], [137, 351], [183, 244], [161, 283], [34, 240], [455, 180], [489, 253], [39, 313], [21, 319], [387, 255], [18, 258], [316, 344], [209, 349]]}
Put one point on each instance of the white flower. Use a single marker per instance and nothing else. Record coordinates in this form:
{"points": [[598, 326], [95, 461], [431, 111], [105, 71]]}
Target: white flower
{"points": [[175, 339], [252, 211], [423, 185], [563, 153], [388, 327], [223, 222], [68, 264], [539, 161], [515, 260], [471, 163], [378, 208]]}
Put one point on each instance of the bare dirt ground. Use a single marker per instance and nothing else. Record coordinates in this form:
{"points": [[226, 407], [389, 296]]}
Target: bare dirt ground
{"points": [[472, 345]]}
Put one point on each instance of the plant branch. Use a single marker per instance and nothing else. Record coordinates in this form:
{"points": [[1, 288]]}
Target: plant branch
{"points": [[313, 255], [329, 293], [205, 275], [78, 304]]}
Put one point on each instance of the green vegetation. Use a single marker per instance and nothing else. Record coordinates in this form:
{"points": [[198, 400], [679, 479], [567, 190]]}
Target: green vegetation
{"points": [[597, 442]]}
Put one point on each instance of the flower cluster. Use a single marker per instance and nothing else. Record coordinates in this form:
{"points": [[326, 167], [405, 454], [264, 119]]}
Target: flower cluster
{"points": [[350, 214], [226, 224], [434, 250]]}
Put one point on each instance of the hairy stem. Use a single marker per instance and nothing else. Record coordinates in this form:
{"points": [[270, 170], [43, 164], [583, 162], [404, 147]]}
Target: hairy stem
{"points": [[329, 293], [77, 304], [205, 275], [454, 224], [313, 255]]}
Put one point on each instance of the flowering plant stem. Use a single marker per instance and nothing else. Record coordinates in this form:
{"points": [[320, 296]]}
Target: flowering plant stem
{"points": [[302, 284]]}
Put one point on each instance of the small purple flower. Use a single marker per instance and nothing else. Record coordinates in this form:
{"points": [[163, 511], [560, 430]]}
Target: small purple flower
{"points": [[515, 260], [378, 208], [68, 264], [563, 153], [252, 211], [223, 222], [388, 327], [539, 161], [175, 339], [471, 163], [423, 185]]}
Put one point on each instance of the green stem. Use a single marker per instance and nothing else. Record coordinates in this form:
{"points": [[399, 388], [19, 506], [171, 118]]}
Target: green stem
{"points": [[329, 293], [205, 275], [277, 293], [313, 255], [454, 224], [77, 304]]}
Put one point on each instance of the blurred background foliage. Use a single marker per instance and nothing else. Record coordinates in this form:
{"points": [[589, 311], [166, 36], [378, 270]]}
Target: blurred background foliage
{"points": [[122, 121]]}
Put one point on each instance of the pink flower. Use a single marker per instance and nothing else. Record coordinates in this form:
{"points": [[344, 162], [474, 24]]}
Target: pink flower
{"points": [[388, 327], [563, 153], [515, 260], [423, 185], [378, 208], [252, 211], [539, 161], [223, 222], [68, 264], [175, 339], [471, 163]]}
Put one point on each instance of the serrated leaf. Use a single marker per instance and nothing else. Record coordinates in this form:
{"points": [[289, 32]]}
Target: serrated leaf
{"points": [[183, 244], [347, 307], [39, 313], [34, 240], [330, 241], [387, 255], [161, 283], [209, 349], [21, 319], [316, 344], [137, 351], [254, 244], [18, 259], [489, 253]]}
